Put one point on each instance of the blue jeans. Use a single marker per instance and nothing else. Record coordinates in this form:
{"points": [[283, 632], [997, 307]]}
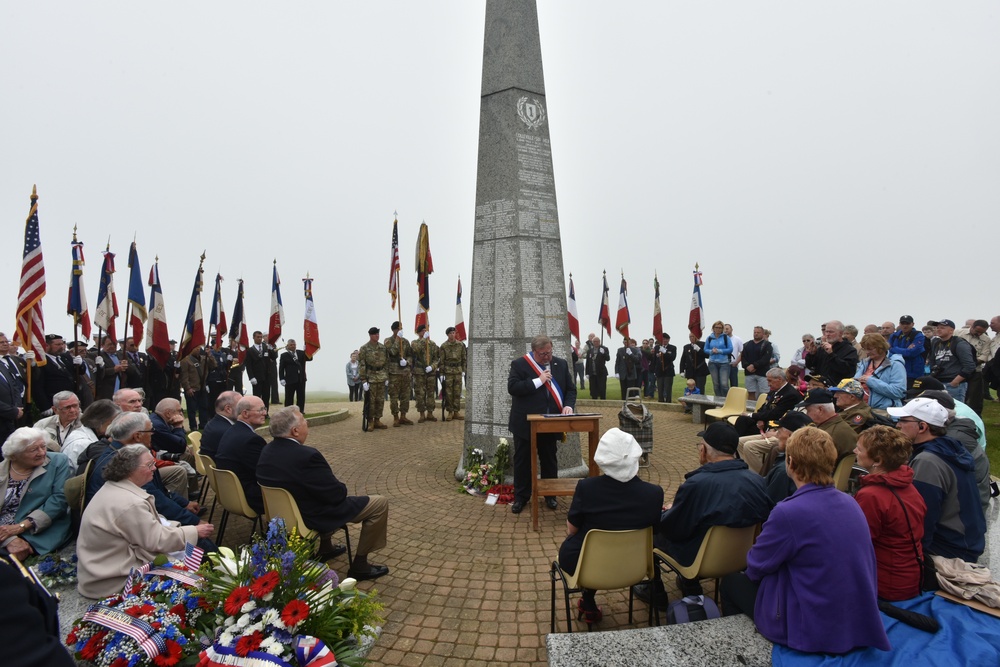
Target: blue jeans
{"points": [[958, 393], [734, 376], [720, 377]]}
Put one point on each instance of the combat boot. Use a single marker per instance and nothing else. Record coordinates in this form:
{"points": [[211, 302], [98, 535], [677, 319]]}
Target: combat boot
{"points": [[422, 418], [395, 420], [378, 424], [403, 420], [430, 416], [457, 415]]}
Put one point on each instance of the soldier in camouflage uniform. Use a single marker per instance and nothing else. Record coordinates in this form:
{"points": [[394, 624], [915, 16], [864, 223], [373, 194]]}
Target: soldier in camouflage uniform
{"points": [[453, 359], [397, 348], [426, 358], [372, 360]]}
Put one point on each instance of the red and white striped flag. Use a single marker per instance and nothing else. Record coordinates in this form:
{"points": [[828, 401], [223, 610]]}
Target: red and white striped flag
{"points": [[394, 264], [623, 319], [696, 318], [310, 337], [459, 317], [574, 317], [30, 328]]}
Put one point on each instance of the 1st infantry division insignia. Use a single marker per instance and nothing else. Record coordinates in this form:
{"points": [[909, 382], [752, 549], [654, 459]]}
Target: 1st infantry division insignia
{"points": [[531, 113]]}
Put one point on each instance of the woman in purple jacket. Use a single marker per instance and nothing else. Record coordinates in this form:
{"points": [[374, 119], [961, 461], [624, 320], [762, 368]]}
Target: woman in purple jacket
{"points": [[810, 582]]}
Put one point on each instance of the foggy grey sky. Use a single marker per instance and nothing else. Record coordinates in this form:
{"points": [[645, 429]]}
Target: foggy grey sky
{"points": [[818, 161]]}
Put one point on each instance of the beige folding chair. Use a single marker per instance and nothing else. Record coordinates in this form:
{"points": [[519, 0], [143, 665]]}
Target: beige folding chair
{"points": [[609, 559], [230, 493], [202, 469], [761, 400], [280, 502], [194, 440], [207, 464], [842, 471], [723, 551], [736, 404]]}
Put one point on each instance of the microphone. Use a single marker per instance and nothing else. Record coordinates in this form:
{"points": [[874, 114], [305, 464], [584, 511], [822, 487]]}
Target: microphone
{"points": [[548, 367]]}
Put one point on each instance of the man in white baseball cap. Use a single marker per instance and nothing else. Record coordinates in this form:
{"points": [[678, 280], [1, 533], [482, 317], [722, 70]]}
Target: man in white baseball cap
{"points": [[944, 474]]}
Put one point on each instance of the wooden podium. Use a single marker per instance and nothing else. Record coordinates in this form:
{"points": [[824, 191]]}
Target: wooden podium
{"points": [[589, 424]]}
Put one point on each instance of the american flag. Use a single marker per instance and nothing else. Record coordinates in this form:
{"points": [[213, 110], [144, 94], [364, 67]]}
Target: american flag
{"points": [[394, 264], [192, 556], [30, 323]]}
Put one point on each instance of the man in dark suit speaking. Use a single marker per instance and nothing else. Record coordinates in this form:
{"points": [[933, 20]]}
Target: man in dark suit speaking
{"points": [[538, 384]]}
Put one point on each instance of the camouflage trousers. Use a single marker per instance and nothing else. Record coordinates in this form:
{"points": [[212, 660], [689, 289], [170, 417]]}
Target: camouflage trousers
{"points": [[400, 386], [425, 386], [453, 392], [377, 392]]}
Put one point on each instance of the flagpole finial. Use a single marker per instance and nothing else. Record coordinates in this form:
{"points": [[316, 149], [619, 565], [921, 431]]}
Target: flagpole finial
{"points": [[107, 248], [395, 215], [571, 275], [202, 256], [696, 266], [605, 273], [275, 262], [156, 259], [34, 192]]}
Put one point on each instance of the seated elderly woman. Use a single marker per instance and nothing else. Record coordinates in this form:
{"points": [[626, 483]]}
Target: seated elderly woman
{"points": [[34, 517], [895, 510], [121, 529], [97, 417], [616, 500], [810, 582]]}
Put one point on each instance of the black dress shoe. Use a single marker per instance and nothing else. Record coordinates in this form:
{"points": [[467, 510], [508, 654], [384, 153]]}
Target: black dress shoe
{"points": [[326, 554], [551, 503], [373, 572], [516, 507]]}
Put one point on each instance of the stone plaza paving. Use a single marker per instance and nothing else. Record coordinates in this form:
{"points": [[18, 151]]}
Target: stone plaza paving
{"points": [[468, 583]]}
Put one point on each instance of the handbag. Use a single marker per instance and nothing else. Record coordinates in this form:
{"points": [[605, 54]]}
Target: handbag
{"points": [[929, 580]]}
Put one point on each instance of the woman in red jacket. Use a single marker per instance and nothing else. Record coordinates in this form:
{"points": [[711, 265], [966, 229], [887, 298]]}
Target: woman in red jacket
{"points": [[894, 509]]}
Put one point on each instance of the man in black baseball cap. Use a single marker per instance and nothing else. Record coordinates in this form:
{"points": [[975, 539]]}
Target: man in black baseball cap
{"points": [[819, 407], [723, 491], [952, 360], [909, 343]]}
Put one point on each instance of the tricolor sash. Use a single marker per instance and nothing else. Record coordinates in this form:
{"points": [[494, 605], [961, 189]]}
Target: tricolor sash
{"points": [[551, 385]]}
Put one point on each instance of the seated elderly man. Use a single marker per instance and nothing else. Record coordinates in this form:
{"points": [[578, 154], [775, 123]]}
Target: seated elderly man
{"points": [[819, 408], [225, 416], [287, 462], [849, 399], [944, 474], [96, 418], [66, 420], [129, 400], [169, 443], [781, 398], [722, 492], [240, 448], [779, 484], [135, 428]]}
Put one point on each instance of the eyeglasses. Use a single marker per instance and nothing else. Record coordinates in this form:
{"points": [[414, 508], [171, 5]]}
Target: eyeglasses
{"points": [[904, 420], [151, 465]]}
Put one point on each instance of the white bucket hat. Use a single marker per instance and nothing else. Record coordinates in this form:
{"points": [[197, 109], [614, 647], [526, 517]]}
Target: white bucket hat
{"points": [[618, 455]]}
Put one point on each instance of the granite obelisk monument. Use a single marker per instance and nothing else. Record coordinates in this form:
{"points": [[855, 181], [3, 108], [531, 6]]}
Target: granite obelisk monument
{"points": [[518, 284]]}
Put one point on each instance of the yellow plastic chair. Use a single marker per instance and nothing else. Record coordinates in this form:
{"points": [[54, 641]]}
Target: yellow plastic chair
{"points": [[202, 469], [723, 551], [609, 559], [206, 463], [761, 400], [280, 502], [736, 404], [842, 471], [194, 440], [234, 501]]}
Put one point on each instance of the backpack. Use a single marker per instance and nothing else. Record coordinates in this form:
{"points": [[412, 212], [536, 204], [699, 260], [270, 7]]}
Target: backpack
{"points": [[692, 608]]}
